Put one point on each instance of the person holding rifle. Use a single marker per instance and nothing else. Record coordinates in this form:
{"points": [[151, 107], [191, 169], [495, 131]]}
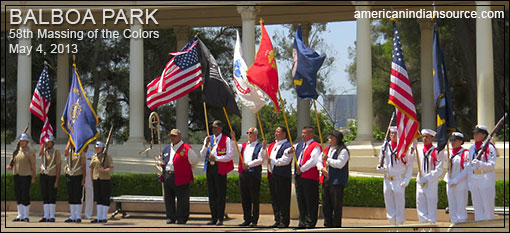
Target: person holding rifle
{"points": [[482, 179], [397, 175], [23, 168], [456, 179], [430, 168], [101, 166], [50, 175]]}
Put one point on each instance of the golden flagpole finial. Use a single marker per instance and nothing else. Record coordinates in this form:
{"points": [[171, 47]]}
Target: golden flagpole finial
{"points": [[394, 20], [74, 59], [261, 21], [196, 35]]}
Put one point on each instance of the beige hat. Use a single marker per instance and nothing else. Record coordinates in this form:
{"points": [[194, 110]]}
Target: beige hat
{"points": [[175, 132], [217, 123]]}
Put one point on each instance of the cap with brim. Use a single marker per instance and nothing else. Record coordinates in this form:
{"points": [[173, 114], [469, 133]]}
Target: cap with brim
{"points": [[457, 136], [393, 128], [480, 129], [175, 132], [99, 144], [49, 139], [338, 135], [217, 123]]}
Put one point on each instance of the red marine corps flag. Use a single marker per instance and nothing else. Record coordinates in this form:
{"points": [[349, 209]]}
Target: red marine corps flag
{"points": [[401, 96]]}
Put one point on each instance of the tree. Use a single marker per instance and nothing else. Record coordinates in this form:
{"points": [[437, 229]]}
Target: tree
{"points": [[460, 59]]}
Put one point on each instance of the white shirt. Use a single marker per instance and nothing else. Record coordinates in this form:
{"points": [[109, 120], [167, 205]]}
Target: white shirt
{"points": [[248, 154], [222, 158], [338, 163], [399, 169], [458, 175], [192, 156], [482, 165], [433, 173], [314, 157], [282, 161]]}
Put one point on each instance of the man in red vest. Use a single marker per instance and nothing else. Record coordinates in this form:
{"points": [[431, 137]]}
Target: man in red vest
{"points": [[308, 153], [178, 159], [250, 172], [218, 153]]}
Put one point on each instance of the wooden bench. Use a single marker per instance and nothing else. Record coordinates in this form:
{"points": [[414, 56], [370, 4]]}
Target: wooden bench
{"points": [[499, 210], [148, 199]]}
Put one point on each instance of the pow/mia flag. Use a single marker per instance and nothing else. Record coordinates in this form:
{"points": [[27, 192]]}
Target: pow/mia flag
{"points": [[79, 120]]}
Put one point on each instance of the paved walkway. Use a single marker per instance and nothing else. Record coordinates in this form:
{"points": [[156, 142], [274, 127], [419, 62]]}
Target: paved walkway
{"points": [[156, 222]]}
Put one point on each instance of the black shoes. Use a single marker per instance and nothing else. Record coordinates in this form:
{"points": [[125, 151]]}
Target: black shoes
{"points": [[95, 220], [181, 222], [212, 222], [253, 224], [51, 220], [244, 224], [275, 225], [43, 220], [170, 221], [220, 223], [17, 220], [68, 220], [78, 220]]}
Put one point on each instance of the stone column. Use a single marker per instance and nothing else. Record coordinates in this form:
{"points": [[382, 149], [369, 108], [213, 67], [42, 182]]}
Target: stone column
{"points": [[182, 104], [136, 90], [484, 67], [63, 85], [24, 86], [248, 16], [364, 75], [427, 82], [303, 105]]}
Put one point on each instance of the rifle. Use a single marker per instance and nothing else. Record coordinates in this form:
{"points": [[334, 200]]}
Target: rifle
{"points": [[105, 150], [15, 152], [489, 137], [385, 144]]}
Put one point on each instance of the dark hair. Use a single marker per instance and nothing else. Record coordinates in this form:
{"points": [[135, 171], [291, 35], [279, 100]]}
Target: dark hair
{"points": [[309, 127], [283, 129]]}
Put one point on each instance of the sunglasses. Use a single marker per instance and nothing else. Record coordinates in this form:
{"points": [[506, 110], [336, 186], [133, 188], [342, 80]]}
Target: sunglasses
{"points": [[250, 132]]}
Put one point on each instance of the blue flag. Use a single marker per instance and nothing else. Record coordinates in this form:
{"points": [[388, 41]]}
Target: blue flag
{"points": [[306, 64], [79, 120], [442, 94]]}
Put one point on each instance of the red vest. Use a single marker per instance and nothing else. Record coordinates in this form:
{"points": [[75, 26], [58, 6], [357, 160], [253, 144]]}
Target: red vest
{"points": [[240, 164], [221, 150], [183, 172], [312, 173]]}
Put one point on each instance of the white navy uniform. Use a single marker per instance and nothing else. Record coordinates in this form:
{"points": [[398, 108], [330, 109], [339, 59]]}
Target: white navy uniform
{"points": [[456, 187], [431, 169], [396, 178], [482, 182]]}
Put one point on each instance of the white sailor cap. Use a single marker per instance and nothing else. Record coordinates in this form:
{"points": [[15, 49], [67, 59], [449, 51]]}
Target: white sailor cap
{"points": [[480, 129], [99, 144], [393, 128], [429, 132], [49, 139], [457, 136], [23, 137]]}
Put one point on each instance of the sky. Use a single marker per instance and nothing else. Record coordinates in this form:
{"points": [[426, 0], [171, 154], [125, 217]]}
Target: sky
{"points": [[340, 37]]}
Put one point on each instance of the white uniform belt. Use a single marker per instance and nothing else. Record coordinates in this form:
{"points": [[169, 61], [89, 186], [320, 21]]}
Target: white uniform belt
{"points": [[480, 172]]}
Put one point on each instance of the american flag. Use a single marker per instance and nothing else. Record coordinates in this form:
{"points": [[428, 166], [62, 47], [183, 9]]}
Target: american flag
{"points": [[181, 75], [401, 96], [40, 104]]}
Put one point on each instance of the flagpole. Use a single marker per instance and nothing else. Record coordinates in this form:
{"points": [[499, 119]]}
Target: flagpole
{"points": [[206, 124], [287, 125], [263, 139], [235, 141], [319, 128]]}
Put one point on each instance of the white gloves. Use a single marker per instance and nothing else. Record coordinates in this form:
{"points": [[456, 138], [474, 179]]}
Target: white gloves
{"points": [[475, 163], [380, 169], [404, 184]]}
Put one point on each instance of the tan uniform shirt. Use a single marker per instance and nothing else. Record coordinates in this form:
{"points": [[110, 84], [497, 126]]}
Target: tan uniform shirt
{"points": [[95, 163], [53, 159], [23, 162], [76, 163]]}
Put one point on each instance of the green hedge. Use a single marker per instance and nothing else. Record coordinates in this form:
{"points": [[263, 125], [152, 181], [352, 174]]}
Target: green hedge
{"points": [[361, 191]]}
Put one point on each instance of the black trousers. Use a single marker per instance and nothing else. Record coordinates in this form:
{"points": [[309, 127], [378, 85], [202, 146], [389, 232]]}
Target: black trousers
{"points": [[280, 189], [307, 193], [102, 191], [332, 203], [182, 192], [48, 190], [74, 189], [22, 189], [217, 188], [249, 185]]}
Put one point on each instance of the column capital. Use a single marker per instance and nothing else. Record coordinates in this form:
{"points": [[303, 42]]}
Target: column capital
{"points": [[248, 12], [425, 24], [362, 5], [182, 32]]}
